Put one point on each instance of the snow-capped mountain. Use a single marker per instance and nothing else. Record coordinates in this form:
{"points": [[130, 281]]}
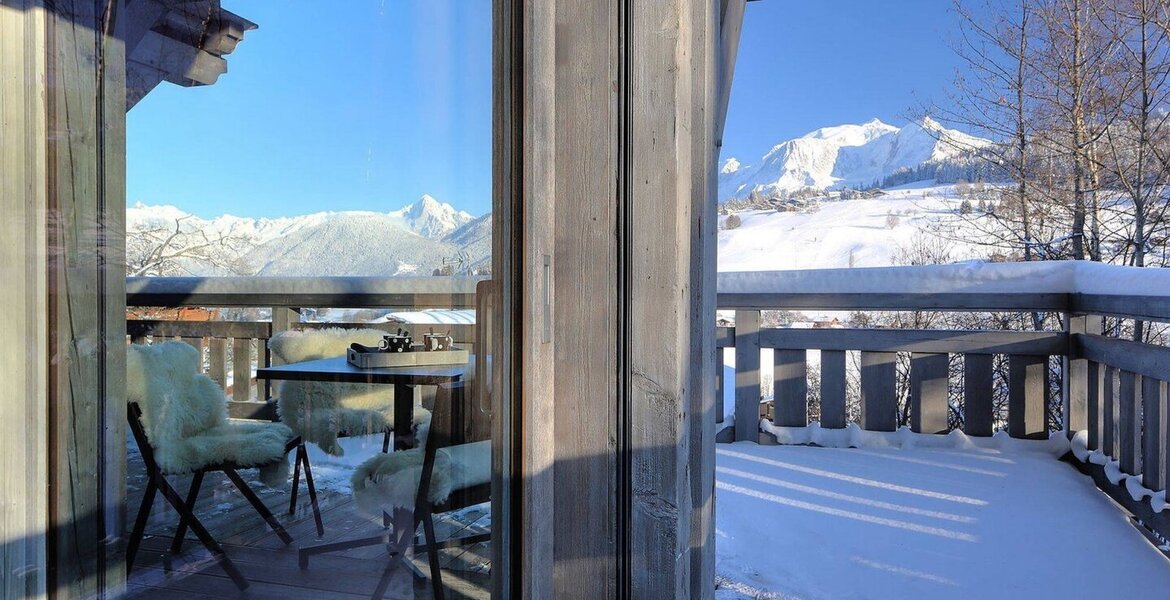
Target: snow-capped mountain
{"points": [[845, 156], [430, 218]]}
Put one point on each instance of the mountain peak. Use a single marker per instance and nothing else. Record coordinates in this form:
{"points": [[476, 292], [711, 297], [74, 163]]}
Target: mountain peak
{"points": [[430, 217]]}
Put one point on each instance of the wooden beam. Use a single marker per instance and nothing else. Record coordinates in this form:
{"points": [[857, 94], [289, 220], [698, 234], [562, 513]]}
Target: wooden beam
{"points": [[884, 301], [730, 25], [1155, 434], [925, 341]]}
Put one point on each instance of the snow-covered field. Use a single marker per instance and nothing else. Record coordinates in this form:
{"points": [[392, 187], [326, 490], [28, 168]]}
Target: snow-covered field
{"points": [[846, 233], [1004, 522]]}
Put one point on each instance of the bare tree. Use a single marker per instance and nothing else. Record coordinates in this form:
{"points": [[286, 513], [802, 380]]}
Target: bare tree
{"points": [[179, 248]]}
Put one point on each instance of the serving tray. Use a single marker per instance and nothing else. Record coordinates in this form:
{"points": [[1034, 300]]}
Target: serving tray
{"points": [[375, 360]]}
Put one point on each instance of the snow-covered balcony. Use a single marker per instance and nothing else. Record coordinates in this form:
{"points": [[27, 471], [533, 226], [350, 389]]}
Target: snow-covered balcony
{"points": [[920, 414]]}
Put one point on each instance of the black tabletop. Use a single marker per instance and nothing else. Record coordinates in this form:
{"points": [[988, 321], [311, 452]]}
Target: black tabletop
{"points": [[339, 370]]}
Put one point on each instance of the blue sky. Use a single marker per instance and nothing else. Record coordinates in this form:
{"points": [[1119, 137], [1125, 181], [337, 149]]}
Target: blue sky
{"points": [[371, 106], [804, 65]]}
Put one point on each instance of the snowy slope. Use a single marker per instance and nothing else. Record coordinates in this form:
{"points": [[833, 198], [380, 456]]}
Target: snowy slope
{"points": [[846, 233], [844, 156]]}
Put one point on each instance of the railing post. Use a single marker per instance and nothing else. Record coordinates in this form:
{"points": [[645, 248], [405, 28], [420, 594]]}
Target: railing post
{"points": [[282, 319], [1079, 390], [747, 375]]}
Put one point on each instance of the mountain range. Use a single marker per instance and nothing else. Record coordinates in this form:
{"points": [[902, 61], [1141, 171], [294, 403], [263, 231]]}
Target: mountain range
{"points": [[845, 156], [429, 234], [414, 240]]}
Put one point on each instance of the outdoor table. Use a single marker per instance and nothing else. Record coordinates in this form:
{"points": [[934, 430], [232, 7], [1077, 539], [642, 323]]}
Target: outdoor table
{"points": [[337, 369]]}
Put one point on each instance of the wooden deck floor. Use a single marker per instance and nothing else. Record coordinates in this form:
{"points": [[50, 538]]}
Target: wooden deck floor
{"points": [[269, 565]]}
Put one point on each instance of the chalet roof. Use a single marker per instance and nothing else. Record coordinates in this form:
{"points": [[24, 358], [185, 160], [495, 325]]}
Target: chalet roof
{"points": [[184, 42]]}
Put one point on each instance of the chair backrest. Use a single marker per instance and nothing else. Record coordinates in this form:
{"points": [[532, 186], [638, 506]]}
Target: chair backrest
{"points": [[447, 434], [175, 400]]}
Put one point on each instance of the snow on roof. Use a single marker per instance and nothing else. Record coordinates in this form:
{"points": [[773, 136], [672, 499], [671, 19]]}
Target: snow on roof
{"points": [[431, 317], [1050, 277]]}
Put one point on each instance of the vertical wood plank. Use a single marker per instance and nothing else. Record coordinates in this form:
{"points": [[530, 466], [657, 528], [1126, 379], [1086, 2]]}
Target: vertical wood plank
{"points": [[978, 411], [197, 344], [585, 265], [1094, 382], [1154, 433], [833, 386], [1109, 412], [241, 369], [928, 392], [283, 318], [1129, 405], [217, 359], [26, 352], [719, 383], [790, 388], [747, 375], [879, 402], [85, 157], [1027, 396], [1077, 383]]}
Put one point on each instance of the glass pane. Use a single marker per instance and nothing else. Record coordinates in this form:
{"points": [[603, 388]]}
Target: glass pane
{"points": [[309, 241]]}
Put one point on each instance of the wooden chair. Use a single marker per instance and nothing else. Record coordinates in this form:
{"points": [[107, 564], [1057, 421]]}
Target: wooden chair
{"points": [[324, 412], [192, 435], [465, 471]]}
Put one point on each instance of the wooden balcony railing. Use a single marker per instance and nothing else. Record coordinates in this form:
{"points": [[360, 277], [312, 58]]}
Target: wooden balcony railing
{"points": [[238, 346], [1074, 379]]}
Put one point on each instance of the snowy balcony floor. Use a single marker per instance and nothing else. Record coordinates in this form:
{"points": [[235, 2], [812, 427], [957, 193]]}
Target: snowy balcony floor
{"points": [[807, 522]]}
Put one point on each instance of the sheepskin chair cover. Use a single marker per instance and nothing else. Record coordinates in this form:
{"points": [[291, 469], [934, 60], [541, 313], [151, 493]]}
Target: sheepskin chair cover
{"points": [[389, 481], [184, 414], [317, 410]]}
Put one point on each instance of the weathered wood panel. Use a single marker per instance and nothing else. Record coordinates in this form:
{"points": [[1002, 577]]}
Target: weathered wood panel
{"points": [[1155, 434], [833, 386], [790, 388], [1129, 407], [1109, 412], [1027, 396], [199, 329], [85, 107], [586, 265], [670, 156], [747, 375], [1043, 343], [25, 351], [879, 402], [978, 409], [929, 375]]}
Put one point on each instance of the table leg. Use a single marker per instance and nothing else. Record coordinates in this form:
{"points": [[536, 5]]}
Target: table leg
{"points": [[403, 416]]}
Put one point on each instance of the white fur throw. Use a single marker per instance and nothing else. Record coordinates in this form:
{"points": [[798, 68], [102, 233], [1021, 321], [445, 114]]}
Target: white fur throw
{"points": [[388, 481], [184, 414], [316, 410]]}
